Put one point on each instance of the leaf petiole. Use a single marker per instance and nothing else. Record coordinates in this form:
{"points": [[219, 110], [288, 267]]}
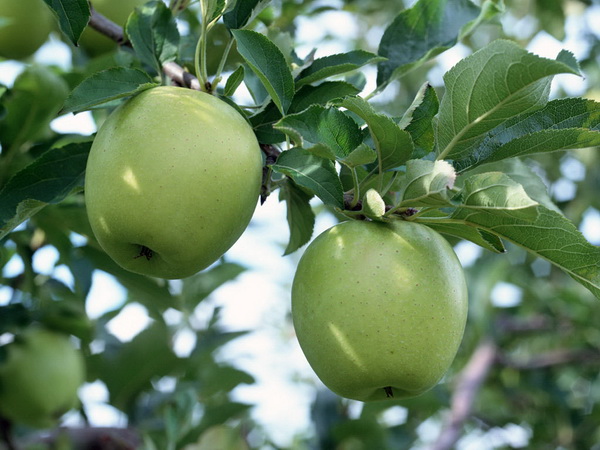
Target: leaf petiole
{"points": [[200, 64], [200, 54], [224, 57], [356, 183]]}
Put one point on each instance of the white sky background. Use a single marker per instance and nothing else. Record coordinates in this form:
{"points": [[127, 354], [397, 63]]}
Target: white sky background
{"points": [[259, 299]]}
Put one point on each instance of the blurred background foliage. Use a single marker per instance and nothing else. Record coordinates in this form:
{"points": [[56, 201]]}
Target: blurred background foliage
{"points": [[540, 388]]}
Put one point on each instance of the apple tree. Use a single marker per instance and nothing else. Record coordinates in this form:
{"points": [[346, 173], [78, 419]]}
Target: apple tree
{"points": [[206, 110]]}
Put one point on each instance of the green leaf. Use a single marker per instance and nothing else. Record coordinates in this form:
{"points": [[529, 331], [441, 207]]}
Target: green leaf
{"points": [[418, 120], [361, 155], [222, 379], [198, 287], [321, 94], [373, 205], [329, 66], [153, 33], [476, 235], [49, 179], [549, 235], [209, 339], [233, 81], [12, 317], [518, 171], [357, 79], [490, 9], [312, 172], [243, 12], [394, 146], [495, 191], [321, 126], [426, 183], [420, 33], [136, 369], [268, 63], [34, 100], [489, 87], [560, 125], [59, 221], [73, 16], [217, 414], [106, 86], [300, 216], [307, 95], [213, 10], [255, 86]]}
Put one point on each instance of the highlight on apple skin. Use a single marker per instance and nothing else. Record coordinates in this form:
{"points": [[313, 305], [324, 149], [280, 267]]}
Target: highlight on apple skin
{"points": [[172, 181], [379, 309]]}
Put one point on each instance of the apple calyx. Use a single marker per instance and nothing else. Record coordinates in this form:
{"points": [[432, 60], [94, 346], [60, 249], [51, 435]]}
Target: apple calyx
{"points": [[145, 252]]}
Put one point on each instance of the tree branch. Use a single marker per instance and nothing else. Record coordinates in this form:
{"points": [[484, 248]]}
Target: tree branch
{"points": [[173, 70], [469, 381], [552, 358], [6, 434], [100, 438], [107, 27], [510, 325]]}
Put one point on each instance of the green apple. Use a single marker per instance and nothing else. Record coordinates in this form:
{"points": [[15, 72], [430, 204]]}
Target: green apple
{"points": [[172, 180], [219, 437], [24, 27], [39, 378], [94, 42], [379, 309]]}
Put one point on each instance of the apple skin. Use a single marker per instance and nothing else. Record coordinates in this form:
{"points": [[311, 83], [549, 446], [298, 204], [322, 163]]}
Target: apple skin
{"points": [[379, 309], [39, 378], [30, 23], [94, 42], [174, 171]]}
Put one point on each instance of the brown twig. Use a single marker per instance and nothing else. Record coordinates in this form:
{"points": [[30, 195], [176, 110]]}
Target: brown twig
{"points": [[101, 438], [271, 154], [469, 381], [6, 433], [173, 70], [531, 324], [484, 357], [552, 358], [107, 27]]}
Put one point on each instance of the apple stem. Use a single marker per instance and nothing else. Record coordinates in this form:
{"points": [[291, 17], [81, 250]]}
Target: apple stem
{"points": [[389, 393]]}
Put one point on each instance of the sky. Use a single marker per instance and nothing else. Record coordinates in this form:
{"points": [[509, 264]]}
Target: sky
{"points": [[259, 299]]}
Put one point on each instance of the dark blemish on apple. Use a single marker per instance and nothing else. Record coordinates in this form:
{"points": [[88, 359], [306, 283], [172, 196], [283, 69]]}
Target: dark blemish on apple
{"points": [[389, 393], [146, 252]]}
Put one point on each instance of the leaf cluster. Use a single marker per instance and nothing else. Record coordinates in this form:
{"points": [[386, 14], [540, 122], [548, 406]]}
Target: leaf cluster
{"points": [[132, 369], [456, 159], [442, 163]]}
